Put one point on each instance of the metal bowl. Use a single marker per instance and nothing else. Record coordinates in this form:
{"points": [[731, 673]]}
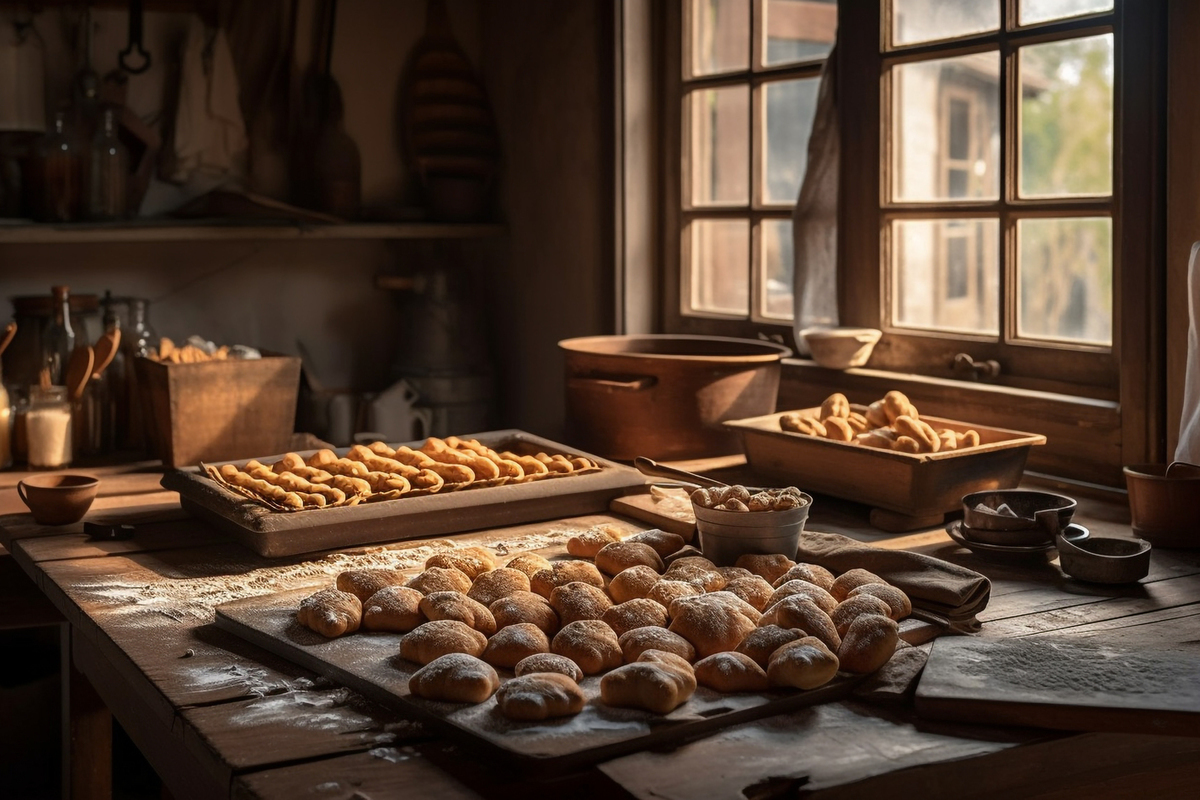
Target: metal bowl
{"points": [[727, 535], [1103, 559], [1039, 516]]}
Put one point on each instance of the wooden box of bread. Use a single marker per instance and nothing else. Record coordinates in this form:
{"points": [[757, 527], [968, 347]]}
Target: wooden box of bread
{"points": [[293, 503], [907, 463]]}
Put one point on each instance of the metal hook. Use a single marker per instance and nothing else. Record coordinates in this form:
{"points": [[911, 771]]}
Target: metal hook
{"points": [[135, 41], [964, 364]]}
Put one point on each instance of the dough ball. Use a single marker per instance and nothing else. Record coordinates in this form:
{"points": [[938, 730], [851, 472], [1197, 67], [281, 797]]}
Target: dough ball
{"points": [[651, 684], [897, 600], [574, 601], [803, 664], [440, 579], [618, 556], [637, 613], [798, 611], [589, 542], [437, 638], [494, 584], [564, 572], [590, 643], [455, 678], [870, 641], [471, 561], [767, 566], [525, 607], [528, 563], [453, 605], [330, 612], [664, 543], [853, 607], [666, 591], [753, 589], [851, 579], [632, 583], [731, 672], [638, 640], [549, 662], [540, 695], [362, 583], [762, 642], [822, 598], [711, 622], [512, 643], [813, 573], [393, 608]]}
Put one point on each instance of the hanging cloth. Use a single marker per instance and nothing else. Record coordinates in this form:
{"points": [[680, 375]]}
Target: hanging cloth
{"points": [[814, 219], [1188, 448]]}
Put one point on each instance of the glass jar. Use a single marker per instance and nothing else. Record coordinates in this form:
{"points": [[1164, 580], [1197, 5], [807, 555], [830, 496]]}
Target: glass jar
{"points": [[60, 189], [48, 427]]}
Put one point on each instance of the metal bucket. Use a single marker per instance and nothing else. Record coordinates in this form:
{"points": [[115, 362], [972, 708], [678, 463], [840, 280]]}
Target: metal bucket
{"points": [[726, 535]]}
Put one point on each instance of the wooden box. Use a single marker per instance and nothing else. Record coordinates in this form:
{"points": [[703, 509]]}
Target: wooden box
{"points": [[920, 485], [219, 410]]}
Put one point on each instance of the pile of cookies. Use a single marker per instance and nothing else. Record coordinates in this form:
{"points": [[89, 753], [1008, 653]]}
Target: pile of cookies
{"points": [[373, 472], [653, 617], [890, 423]]}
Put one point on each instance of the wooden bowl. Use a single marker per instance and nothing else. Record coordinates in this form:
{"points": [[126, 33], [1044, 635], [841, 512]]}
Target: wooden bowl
{"points": [[1164, 510]]}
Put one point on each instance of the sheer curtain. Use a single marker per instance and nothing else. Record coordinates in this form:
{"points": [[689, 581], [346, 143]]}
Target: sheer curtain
{"points": [[814, 220], [1188, 448]]}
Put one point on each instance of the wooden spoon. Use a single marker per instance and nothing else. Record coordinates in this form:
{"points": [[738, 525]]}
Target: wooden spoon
{"points": [[105, 351], [79, 370], [10, 330]]}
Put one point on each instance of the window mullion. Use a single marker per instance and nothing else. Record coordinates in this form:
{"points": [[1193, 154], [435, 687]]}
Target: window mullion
{"points": [[1009, 155]]}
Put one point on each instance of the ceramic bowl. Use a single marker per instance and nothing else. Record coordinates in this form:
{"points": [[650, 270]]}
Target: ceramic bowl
{"points": [[1028, 524], [1104, 559], [841, 348], [58, 499], [1164, 510], [727, 535]]}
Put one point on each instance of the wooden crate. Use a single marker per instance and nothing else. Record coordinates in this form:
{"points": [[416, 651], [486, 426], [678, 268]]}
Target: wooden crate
{"points": [[219, 410]]}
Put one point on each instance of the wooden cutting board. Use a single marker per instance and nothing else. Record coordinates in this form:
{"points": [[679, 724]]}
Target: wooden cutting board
{"points": [[1062, 683]]}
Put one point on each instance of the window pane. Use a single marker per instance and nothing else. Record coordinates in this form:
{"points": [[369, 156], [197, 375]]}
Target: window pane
{"points": [[798, 30], [720, 151], [1065, 279], [776, 265], [720, 36], [789, 106], [945, 274], [720, 268], [946, 121], [1042, 10], [1067, 118], [916, 21]]}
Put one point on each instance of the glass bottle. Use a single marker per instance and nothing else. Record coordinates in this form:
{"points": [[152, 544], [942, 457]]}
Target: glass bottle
{"points": [[136, 343], [111, 388], [108, 173], [59, 341], [48, 427], [60, 192]]}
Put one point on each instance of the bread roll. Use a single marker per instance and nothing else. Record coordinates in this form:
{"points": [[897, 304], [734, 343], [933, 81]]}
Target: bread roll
{"points": [[529, 563], [632, 583], [638, 640], [822, 598], [753, 589], [836, 405], [733, 573], [655, 682], [564, 572], [362, 583], [712, 623], [839, 430], [618, 556], [876, 415], [896, 404], [870, 641], [574, 601], [590, 643], [666, 591], [637, 613], [452, 605], [440, 637], [769, 567], [549, 662], [587, 543], [689, 557], [455, 678], [803, 664], [393, 608], [898, 603], [731, 672], [440, 579], [798, 611], [330, 612], [813, 573], [664, 543], [801, 423], [762, 642], [855, 606], [850, 579], [471, 561], [708, 579], [512, 643], [490, 586], [525, 607], [917, 429], [540, 695]]}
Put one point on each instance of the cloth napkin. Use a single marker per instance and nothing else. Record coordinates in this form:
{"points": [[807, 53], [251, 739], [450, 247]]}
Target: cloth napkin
{"points": [[1188, 448], [942, 593]]}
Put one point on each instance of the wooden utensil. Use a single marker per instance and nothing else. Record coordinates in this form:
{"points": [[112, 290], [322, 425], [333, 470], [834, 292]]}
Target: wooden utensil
{"points": [[79, 370], [650, 467], [105, 351], [10, 330]]}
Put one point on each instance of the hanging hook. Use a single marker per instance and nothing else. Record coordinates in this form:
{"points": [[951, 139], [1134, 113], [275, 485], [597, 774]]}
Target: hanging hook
{"points": [[135, 41]]}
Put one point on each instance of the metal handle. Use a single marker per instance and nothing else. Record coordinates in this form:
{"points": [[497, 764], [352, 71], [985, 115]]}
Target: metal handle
{"points": [[135, 41], [618, 383], [650, 467], [965, 365]]}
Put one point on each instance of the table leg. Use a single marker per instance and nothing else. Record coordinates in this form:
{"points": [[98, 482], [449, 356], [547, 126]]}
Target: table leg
{"points": [[87, 733]]}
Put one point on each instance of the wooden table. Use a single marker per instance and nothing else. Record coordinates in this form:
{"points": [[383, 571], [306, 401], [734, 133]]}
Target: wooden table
{"points": [[219, 717]]}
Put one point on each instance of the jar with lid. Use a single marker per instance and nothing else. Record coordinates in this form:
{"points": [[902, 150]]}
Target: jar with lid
{"points": [[48, 427]]}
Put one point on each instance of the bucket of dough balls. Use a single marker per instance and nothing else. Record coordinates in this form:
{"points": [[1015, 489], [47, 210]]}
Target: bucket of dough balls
{"points": [[732, 521]]}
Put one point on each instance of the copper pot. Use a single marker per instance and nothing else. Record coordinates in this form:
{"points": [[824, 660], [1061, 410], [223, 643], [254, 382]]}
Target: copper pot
{"points": [[665, 396]]}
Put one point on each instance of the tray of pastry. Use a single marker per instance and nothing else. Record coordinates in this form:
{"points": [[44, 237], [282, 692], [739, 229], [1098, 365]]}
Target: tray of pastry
{"points": [[303, 502], [885, 454]]}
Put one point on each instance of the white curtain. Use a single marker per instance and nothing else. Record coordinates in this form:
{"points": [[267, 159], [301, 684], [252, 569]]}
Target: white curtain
{"points": [[1188, 448], [814, 220]]}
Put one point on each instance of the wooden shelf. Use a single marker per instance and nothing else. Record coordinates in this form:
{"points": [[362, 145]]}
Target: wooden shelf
{"points": [[224, 230]]}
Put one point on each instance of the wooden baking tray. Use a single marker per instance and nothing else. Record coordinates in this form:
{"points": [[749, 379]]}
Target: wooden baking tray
{"points": [[275, 533], [917, 486], [369, 663]]}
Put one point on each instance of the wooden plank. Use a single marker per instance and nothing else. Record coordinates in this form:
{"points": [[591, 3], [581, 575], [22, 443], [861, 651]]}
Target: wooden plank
{"points": [[157, 507], [381, 772]]}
